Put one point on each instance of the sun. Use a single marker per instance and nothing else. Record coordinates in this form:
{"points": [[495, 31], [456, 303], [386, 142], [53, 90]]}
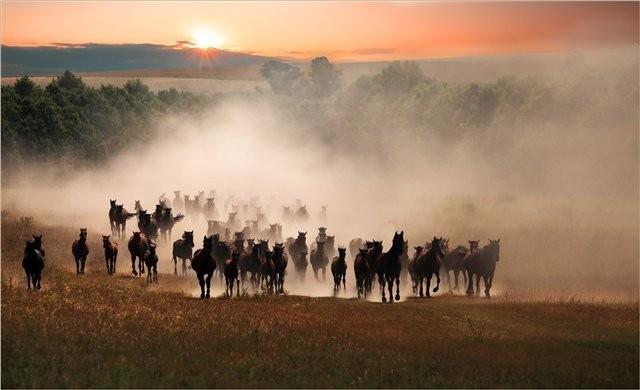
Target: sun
{"points": [[205, 38]]}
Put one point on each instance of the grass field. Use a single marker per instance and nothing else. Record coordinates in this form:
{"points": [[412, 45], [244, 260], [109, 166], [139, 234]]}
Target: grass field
{"points": [[101, 331]]}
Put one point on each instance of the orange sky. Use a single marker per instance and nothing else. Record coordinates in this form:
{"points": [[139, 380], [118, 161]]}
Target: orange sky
{"points": [[344, 31]]}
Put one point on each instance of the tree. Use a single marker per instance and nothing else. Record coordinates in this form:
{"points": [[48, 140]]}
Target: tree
{"points": [[24, 86], [325, 78], [280, 76]]}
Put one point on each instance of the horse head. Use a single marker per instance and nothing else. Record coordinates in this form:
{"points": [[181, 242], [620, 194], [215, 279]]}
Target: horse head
{"points": [[105, 241]]}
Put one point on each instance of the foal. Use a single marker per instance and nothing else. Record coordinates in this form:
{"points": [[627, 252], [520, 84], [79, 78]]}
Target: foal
{"points": [[80, 251]]}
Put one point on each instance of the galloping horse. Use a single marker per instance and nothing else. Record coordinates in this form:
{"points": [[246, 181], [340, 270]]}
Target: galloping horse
{"points": [[280, 262], [80, 251], [388, 267], [339, 270], [428, 264], [204, 264], [110, 253], [33, 264], [183, 250], [482, 263]]}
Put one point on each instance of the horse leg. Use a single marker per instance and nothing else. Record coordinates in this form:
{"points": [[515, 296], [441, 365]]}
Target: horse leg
{"points": [[184, 267], [141, 264], [84, 261], [397, 288], [344, 281], [201, 283], [113, 264], [382, 287], [477, 284], [487, 285], [428, 285], [456, 273], [77, 266], [438, 280], [390, 287], [133, 265], [469, 283]]}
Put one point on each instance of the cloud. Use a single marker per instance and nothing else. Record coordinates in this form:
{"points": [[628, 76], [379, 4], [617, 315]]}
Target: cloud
{"points": [[93, 57]]}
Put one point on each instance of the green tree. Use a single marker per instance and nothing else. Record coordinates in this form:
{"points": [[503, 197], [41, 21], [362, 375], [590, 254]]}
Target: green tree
{"points": [[281, 76]]}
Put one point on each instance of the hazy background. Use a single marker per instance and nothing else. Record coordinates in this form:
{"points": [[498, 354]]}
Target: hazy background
{"points": [[556, 179]]}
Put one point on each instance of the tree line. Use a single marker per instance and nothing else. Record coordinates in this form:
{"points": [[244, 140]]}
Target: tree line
{"points": [[71, 123]]}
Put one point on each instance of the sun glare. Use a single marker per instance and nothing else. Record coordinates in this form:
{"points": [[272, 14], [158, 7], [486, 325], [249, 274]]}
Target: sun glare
{"points": [[205, 38]]}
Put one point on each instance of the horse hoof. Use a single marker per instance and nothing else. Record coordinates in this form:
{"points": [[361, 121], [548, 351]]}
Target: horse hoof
{"points": [[397, 297], [435, 289], [384, 300], [202, 296], [38, 288]]}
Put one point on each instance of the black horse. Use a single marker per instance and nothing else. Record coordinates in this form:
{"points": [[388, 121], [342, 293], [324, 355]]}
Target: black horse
{"points": [[482, 264], [151, 261], [428, 264], [33, 264], [339, 270], [204, 265], [388, 267], [110, 253], [183, 250], [80, 251]]}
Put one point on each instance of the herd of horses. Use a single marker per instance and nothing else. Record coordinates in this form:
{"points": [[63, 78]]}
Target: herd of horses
{"points": [[247, 257]]}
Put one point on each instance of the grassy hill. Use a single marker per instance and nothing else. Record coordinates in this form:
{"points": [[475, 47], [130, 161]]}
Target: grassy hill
{"points": [[101, 331]]}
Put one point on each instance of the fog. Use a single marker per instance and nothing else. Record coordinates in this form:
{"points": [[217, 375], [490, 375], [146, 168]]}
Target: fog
{"points": [[563, 197]]}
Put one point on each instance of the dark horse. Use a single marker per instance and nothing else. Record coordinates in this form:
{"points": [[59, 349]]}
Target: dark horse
{"points": [[110, 254], [297, 246], [121, 220], [482, 263], [151, 261], [411, 268], [267, 270], [453, 260], [280, 262], [204, 265], [138, 246], [80, 251], [33, 264], [183, 250], [428, 264], [388, 267], [250, 262], [112, 215], [361, 270], [231, 274], [301, 264], [339, 270], [319, 260]]}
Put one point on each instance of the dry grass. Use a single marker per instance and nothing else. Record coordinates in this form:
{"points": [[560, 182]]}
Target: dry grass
{"points": [[101, 331]]}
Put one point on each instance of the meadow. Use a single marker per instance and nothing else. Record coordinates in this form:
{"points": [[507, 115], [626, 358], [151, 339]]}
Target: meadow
{"points": [[99, 331]]}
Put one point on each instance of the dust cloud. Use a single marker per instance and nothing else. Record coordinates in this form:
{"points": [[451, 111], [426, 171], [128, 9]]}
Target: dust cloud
{"points": [[561, 194]]}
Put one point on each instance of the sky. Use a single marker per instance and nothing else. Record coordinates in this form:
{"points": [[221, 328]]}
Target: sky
{"points": [[345, 31]]}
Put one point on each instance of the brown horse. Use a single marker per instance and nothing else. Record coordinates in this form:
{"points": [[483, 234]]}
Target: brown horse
{"points": [[453, 260], [204, 264], [388, 267], [121, 220], [428, 264], [362, 272], [297, 246], [250, 262], [112, 215], [374, 250], [138, 246], [221, 252], [301, 264], [151, 261], [319, 260], [80, 251], [110, 254], [167, 222], [183, 250], [267, 271], [280, 262], [411, 268], [339, 270], [482, 264], [231, 274]]}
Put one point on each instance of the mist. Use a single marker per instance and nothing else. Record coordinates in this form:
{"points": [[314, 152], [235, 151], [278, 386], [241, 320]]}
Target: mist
{"points": [[560, 191]]}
